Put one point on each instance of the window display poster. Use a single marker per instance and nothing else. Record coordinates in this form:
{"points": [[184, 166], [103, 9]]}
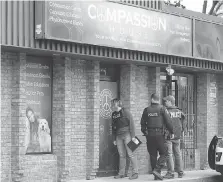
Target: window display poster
{"points": [[208, 40], [38, 106]]}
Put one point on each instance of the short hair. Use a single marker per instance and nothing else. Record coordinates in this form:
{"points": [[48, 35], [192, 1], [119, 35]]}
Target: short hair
{"points": [[117, 100], [170, 98], [29, 109], [155, 97]]}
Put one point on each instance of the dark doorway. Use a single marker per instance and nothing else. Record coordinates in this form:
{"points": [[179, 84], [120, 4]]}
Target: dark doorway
{"points": [[182, 87], [108, 153]]}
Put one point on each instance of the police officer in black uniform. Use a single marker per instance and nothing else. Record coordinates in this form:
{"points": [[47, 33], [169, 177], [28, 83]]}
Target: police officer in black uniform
{"points": [[155, 119]]}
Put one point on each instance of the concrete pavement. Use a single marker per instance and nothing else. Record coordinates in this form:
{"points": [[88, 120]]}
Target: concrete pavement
{"points": [[191, 176]]}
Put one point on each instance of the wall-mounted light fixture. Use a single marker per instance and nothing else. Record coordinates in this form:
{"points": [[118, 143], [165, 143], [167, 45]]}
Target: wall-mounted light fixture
{"points": [[169, 70]]}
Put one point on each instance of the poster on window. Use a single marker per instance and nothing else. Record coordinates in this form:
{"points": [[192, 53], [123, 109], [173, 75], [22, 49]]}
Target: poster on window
{"points": [[38, 106], [208, 40]]}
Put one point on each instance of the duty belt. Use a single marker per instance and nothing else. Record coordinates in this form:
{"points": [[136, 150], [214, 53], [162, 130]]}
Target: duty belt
{"points": [[155, 129]]}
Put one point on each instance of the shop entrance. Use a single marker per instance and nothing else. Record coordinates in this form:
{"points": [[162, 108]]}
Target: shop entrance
{"points": [[182, 87], [108, 153]]}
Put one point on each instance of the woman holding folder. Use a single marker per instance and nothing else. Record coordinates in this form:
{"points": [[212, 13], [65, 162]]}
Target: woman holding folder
{"points": [[123, 131]]}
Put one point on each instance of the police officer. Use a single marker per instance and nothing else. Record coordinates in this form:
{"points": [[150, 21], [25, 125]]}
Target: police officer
{"points": [[173, 145], [154, 119]]}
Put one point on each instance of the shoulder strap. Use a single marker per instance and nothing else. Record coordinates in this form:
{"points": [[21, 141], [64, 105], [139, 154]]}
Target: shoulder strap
{"points": [[147, 109]]}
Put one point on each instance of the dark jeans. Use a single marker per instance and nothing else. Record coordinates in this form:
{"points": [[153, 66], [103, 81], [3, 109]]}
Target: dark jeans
{"points": [[157, 144], [153, 157]]}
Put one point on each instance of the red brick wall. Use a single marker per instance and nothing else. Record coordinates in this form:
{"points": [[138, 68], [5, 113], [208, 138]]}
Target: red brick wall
{"points": [[79, 117], [15, 164], [76, 117], [212, 120], [6, 96], [85, 118], [75, 123], [92, 112], [125, 80], [207, 116], [1, 116], [18, 112], [137, 83], [59, 124], [220, 104], [154, 81]]}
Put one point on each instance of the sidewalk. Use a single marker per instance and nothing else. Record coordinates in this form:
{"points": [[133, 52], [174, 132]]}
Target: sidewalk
{"points": [[191, 176]]}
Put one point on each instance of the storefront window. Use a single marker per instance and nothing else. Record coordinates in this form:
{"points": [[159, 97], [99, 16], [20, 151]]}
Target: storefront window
{"points": [[38, 106]]}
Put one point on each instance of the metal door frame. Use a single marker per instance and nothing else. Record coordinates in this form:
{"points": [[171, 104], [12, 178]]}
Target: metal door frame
{"points": [[187, 151]]}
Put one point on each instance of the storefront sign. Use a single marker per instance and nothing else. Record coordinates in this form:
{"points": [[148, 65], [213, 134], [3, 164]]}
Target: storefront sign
{"points": [[208, 40], [114, 25], [38, 110]]}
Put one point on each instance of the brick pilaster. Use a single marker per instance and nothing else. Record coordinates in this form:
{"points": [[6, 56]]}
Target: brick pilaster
{"points": [[67, 124], [154, 80], [1, 114], [85, 119], [125, 76], [92, 122], [18, 109], [212, 122], [6, 92], [206, 116], [78, 124], [137, 83], [61, 125], [220, 104]]}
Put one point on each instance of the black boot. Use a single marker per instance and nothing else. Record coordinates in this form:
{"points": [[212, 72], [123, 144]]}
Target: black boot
{"points": [[169, 175], [134, 176], [119, 176], [181, 174], [157, 175]]}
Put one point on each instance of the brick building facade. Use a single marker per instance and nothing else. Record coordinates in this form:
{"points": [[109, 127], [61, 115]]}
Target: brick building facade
{"points": [[76, 79], [75, 127]]}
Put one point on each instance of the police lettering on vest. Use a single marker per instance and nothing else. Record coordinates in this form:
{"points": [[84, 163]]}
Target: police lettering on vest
{"points": [[115, 116], [152, 114], [175, 114]]}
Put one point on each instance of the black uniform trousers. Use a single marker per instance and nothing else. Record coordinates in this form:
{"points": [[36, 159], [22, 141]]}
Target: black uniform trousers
{"points": [[155, 144]]}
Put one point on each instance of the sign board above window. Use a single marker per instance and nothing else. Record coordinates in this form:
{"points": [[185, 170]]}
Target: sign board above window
{"points": [[113, 25]]}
